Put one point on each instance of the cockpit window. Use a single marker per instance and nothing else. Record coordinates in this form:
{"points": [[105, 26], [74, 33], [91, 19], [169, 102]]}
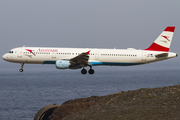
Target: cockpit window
{"points": [[11, 52]]}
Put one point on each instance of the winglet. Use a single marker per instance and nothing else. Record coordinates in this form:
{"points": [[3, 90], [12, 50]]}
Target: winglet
{"points": [[88, 52], [163, 42]]}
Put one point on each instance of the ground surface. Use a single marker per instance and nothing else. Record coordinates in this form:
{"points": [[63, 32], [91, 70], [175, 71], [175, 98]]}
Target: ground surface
{"points": [[142, 104]]}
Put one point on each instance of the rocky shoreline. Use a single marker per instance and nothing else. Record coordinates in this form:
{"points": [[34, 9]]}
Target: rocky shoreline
{"points": [[152, 104]]}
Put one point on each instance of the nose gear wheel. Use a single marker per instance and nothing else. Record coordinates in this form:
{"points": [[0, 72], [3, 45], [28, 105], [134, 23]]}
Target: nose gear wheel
{"points": [[21, 70]]}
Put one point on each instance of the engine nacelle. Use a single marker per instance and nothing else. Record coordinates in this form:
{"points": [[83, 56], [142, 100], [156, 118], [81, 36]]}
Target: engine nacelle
{"points": [[62, 64]]}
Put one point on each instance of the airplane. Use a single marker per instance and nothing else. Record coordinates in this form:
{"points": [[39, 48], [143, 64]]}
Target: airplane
{"points": [[76, 58]]}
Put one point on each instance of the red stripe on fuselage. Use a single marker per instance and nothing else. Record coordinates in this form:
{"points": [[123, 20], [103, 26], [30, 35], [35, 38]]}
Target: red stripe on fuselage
{"points": [[30, 51], [156, 47]]}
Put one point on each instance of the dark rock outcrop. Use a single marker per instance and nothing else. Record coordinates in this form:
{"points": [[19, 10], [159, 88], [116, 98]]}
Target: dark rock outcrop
{"points": [[155, 103]]}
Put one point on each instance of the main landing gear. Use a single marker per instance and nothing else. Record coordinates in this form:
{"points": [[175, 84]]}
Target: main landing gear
{"points": [[84, 71], [21, 70]]}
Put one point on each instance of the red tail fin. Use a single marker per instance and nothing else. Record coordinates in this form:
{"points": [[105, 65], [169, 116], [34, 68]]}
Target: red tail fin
{"points": [[163, 42]]}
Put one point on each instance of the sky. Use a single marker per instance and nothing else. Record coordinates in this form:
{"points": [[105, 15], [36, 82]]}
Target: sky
{"points": [[87, 23]]}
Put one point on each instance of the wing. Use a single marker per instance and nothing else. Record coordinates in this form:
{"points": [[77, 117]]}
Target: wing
{"points": [[81, 59]]}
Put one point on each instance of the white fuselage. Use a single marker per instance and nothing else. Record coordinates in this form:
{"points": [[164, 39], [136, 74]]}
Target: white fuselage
{"points": [[74, 58], [117, 57]]}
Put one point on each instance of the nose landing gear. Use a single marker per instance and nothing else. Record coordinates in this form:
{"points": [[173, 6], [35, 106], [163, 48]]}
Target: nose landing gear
{"points": [[21, 70]]}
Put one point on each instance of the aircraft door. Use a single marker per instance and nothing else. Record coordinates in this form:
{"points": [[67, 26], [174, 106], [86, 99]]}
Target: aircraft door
{"points": [[19, 53], [144, 54], [53, 54], [97, 55]]}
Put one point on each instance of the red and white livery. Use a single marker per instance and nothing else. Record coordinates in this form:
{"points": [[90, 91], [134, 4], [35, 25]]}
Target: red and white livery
{"points": [[76, 58]]}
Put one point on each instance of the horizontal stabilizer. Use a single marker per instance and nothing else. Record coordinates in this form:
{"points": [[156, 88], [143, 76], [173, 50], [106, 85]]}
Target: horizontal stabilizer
{"points": [[161, 55]]}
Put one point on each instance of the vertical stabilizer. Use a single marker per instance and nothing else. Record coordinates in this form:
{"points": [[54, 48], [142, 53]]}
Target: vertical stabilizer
{"points": [[163, 42]]}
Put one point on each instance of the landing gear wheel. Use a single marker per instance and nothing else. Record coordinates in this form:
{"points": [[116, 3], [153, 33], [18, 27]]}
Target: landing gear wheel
{"points": [[91, 71], [21, 70], [83, 71]]}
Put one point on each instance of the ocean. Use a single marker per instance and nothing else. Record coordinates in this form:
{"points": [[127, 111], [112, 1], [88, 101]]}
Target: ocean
{"points": [[23, 94]]}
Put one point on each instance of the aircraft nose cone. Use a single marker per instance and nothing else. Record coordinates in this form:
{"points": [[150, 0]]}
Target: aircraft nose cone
{"points": [[4, 57]]}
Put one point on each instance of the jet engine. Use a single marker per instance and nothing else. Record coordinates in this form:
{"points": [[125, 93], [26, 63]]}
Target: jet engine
{"points": [[65, 64], [62, 64]]}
